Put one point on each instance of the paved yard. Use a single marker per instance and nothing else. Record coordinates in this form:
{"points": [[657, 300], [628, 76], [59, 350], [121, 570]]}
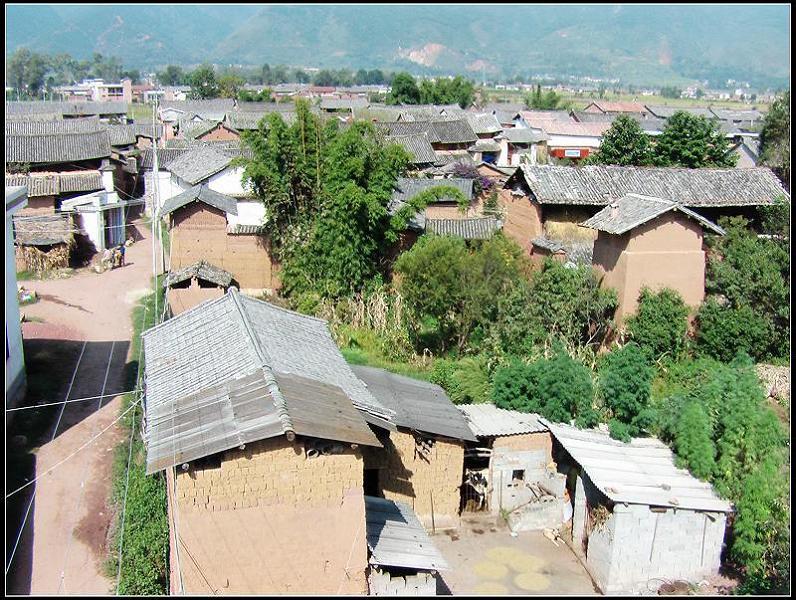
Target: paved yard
{"points": [[495, 563], [85, 320]]}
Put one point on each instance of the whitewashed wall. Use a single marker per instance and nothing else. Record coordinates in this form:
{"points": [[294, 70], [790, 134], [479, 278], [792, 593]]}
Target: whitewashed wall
{"points": [[15, 362], [573, 141], [249, 213]]}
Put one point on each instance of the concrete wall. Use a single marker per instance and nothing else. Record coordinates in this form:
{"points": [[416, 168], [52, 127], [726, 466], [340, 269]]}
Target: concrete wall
{"points": [[383, 584], [530, 453], [271, 521], [15, 358], [429, 486], [636, 548], [666, 252], [199, 232], [249, 213]]}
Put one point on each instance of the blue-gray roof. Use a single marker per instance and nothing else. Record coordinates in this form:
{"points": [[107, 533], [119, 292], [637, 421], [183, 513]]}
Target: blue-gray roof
{"points": [[201, 193]]}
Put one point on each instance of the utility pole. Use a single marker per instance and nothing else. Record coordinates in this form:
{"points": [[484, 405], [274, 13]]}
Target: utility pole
{"points": [[155, 203]]}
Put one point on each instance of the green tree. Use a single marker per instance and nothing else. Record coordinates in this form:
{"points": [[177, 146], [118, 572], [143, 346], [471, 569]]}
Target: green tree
{"points": [[660, 323], [694, 441], [466, 380], [230, 84], [671, 91], [203, 82], [693, 141], [625, 382], [26, 71], [404, 90], [172, 75], [775, 138], [723, 331], [548, 100], [625, 143]]}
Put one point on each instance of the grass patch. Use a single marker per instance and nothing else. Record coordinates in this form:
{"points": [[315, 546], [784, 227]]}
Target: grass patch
{"points": [[144, 560], [365, 347], [29, 275]]}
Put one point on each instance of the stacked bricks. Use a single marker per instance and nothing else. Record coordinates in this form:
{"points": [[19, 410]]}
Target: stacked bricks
{"points": [[270, 472], [414, 479], [383, 584]]}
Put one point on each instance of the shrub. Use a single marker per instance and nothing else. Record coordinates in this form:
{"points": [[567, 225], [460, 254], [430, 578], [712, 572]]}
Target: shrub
{"points": [[625, 383], [724, 331], [466, 381], [660, 323], [693, 441], [514, 387]]}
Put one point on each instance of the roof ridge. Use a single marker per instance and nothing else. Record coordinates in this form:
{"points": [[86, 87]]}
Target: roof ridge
{"points": [[287, 310], [268, 375]]}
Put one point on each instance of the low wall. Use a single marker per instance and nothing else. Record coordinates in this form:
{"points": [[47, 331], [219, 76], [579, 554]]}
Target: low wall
{"points": [[381, 583]]}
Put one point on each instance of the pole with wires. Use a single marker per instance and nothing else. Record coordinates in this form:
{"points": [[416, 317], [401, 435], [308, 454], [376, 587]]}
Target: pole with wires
{"points": [[155, 206]]}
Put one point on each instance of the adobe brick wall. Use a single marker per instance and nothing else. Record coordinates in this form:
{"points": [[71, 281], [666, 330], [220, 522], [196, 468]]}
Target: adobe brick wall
{"points": [[199, 232], [42, 205], [270, 472], [219, 133], [523, 218], [417, 482], [526, 441]]}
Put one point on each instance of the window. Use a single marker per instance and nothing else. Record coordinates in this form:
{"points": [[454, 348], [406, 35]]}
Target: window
{"points": [[518, 475]]}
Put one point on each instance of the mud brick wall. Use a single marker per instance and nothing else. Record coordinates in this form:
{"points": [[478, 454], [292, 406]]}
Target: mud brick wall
{"points": [[526, 441], [270, 472], [199, 232], [418, 481]]}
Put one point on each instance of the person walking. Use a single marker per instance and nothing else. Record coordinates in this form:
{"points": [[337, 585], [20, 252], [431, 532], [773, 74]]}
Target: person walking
{"points": [[121, 252]]}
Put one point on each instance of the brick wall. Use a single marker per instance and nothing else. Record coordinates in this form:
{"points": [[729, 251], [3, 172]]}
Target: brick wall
{"points": [[270, 472], [526, 441], [199, 232], [418, 482], [219, 133]]}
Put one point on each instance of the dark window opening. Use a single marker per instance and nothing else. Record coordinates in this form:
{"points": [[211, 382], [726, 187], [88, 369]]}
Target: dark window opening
{"points": [[371, 483]]}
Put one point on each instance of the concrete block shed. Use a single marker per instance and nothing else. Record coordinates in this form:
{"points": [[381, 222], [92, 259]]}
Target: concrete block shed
{"points": [[510, 470], [638, 519]]}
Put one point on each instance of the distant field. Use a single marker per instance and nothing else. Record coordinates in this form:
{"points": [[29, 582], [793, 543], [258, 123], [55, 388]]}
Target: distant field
{"points": [[139, 111], [581, 101]]}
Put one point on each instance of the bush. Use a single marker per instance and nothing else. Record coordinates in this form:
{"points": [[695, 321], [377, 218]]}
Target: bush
{"points": [[466, 381], [514, 387], [660, 324], [693, 441], [723, 331], [625, 383]]}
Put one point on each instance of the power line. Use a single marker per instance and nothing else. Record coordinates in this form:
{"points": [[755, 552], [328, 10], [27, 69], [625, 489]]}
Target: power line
{"points": [[70, 401]]}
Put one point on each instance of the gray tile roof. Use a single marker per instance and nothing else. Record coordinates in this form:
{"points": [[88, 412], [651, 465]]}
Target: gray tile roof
{"points": [[450, 158], [165, 157], [407, 188], [67, 108], [122, 135], [664, 112], [198, 164], [145, 129], [548, 244], [487, 420], [484, 123], [199, 270], [235, 370], [587, 117], [43, 230], [476, 228], [203, 108], [417, 145], [600, 185], [632, 210], [57, 148], [245, 121], [485, 146], [396, 538], [724, 114], [453, 131], [523, 135], [343, 103], [22, 117], [86, 125], [52, 184], [201, 193], [418, 405], [192, 131]]}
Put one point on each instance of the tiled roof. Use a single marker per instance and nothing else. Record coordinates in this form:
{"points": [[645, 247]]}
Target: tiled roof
{"points": [[632, 210], [199, 270], [145, 129], [589, 117], [87, 125], [52, 184], [532, 116], [485, 146], [198, 164], [556, 127], [522, 135], [242, 121], [417, 145], [407, 188], [196, 130], [454, 131], [418, 405], [343, 103], [201, 193], [42, 230], [57, 148], [600, 185], [484, 123], [664, 112], [487, 420], [476, 228], [548, 244], [724, 114], [165, 157], [67, 108], [236, 370], [448, 159], [628, 107], [122, 135], [203, 108], [22, 117], [639, 472]]}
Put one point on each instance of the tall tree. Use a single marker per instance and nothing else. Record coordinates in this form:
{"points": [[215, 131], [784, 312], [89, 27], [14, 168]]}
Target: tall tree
{"points": [[625, 143], [775, 138], [693, 141], [172, 75], [203, 83], [230, 84], [26, 71], [404, 90]]}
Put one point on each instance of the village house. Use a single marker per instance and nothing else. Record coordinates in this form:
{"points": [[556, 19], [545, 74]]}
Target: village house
{"points": [[172, 113], [638, 521], [564, 197], [16, 198], [631, 108], [747, 149], [517, 215], [510, 469], [194, 284], [111, 111], [259, 424], [571, 140], [419, 148], [444, 135], [646, 242], [97, 90], [421, 463], [46, 190], [224, 231], [521, 145]]}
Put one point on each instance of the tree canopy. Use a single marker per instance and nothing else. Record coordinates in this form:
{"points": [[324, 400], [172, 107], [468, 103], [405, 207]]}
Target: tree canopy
{"points": [[549, 100], [625, 143], [693, 141], [204, 83], [775, 138]]}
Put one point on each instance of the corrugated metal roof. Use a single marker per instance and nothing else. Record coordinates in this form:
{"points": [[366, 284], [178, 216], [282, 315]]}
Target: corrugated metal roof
{"points": [[418, 405], [639, 472], [235, 370], [487, 420], [201, 193], [601, 185], [633, 210], [475, 228], [396, 537]]}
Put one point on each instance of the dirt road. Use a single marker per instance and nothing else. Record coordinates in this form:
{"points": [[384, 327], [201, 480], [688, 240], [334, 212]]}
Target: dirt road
{"points": [[63, 545]]}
